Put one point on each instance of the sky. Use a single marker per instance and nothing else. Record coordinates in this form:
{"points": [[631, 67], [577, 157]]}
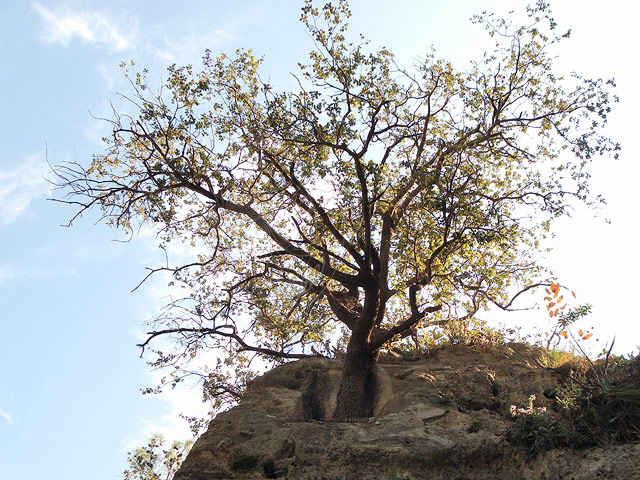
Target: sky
{"points": [[70, 401]]}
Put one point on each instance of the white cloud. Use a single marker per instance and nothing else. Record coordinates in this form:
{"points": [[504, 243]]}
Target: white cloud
{"points": [[19, 187], [189, 48], [8, 272], [181, 400], [185, 399], [108, 74], [6, 416], [93, 27]]}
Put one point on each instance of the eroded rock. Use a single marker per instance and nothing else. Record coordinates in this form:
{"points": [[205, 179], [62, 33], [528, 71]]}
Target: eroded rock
{"points": [[441, 417]]}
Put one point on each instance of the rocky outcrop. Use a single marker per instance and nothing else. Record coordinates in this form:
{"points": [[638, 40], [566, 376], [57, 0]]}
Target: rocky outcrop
{"points": [[441, 417]]}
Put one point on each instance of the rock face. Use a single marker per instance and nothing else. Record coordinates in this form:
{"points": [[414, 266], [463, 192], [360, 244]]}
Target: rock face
{"points": [[442, 417]]}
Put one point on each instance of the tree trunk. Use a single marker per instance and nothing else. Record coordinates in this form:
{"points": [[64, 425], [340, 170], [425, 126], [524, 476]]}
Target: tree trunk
{"points": [[357, 386]]}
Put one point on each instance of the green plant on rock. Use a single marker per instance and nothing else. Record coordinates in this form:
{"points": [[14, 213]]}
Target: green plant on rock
{"points": [[555, 357], [600, 401], [472, 332], [537, 430], [538, 433], [604, 408]]}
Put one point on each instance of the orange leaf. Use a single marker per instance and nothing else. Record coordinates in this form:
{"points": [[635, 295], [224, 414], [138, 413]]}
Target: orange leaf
{"points": [[550, 314], [580, 332], [548, 298], [564, 334], [587, 336], [559, 299], [574, 294], [551, 305], [563, 306], [547, 290], [555, 312]]}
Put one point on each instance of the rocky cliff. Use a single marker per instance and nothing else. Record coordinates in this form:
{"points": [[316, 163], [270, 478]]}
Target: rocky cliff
{"points": [[441, 417]]}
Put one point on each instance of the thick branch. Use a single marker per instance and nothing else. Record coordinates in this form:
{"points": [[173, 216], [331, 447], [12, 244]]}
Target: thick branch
{"points": [[380, 336], [201, 332], [326, 220]]}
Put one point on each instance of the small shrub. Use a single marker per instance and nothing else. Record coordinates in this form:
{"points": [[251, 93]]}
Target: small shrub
{"points": [[472, 332], [604, 406], [538, 433], [555, 358], [601, 400]]}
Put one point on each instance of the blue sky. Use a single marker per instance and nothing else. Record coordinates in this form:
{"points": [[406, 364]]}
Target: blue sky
{"points": [[70, 405]]}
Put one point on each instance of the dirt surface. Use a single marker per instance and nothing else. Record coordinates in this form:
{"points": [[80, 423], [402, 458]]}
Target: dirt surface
{"points": [[441, 417]]}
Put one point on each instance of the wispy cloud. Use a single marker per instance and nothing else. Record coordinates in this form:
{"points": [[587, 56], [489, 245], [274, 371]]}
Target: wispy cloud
{"points": [[19, 187], [64, 24], [6, 273], [189, 48], [6, 416], [169, 425], [109, 75], [185, 399], [10, 273]]}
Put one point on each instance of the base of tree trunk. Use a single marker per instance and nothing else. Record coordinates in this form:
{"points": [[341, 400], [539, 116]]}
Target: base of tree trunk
{"points": [[356, 395]]}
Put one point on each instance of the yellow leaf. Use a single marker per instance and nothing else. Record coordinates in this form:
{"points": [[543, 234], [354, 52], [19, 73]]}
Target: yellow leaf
{"points": [[580, 332], [559, 299]]}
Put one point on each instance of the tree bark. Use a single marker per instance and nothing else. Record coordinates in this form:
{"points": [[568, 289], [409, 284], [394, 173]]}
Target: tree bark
{"points": [[357, 386]]}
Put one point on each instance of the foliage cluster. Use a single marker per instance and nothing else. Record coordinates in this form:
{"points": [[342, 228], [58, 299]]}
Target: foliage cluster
{"points": [[155, 461]]}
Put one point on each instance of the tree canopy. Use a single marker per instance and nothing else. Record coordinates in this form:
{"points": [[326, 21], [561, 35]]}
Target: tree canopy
{"points": [[368, 203]]}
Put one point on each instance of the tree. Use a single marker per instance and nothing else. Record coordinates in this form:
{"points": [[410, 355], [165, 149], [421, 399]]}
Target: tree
{"points": [[154, 462], [373, 201]]}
